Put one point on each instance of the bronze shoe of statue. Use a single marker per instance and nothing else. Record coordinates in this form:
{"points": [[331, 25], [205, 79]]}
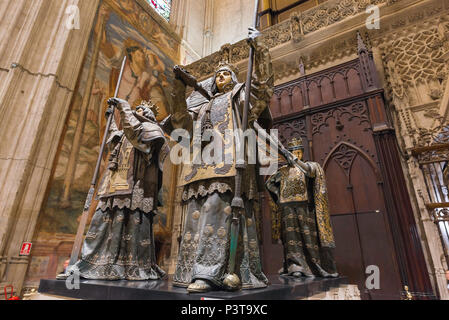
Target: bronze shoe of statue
{"points": [[199, 286]]}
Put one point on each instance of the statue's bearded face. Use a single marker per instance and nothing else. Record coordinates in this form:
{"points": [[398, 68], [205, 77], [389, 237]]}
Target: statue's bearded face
{"points": [[223, 79]]}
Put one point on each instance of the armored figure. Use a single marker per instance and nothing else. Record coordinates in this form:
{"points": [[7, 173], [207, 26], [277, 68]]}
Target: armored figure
{"points": [[119, 244], [208, 188], [299, 190]]}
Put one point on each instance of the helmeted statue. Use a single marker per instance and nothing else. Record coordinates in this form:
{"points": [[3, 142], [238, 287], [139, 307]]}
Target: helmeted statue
{"points": [[120, 243], [301, 196], [208, 189]]}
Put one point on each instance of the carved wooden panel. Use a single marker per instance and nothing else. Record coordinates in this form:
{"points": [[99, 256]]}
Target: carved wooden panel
{"points": [[319, 89], [290, 129], [341, 139], [337, 129], [340, 113]]}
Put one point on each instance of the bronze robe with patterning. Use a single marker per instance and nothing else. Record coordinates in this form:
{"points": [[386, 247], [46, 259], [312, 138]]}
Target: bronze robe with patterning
{"points": [[306, 230], [208, 190], [120, 243]]}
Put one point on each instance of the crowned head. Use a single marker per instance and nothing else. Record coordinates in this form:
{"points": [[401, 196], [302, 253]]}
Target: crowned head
{"points": [[296, 147], [145, 109], [225, 78]]}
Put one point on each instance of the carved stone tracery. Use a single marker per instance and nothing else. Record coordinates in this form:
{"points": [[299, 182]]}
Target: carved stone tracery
{"points": [[294, 30], [413, 60], [334, 11]]}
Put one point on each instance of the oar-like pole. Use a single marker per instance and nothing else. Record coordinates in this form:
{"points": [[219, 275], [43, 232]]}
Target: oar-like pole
{"points": [[232, 281], [79, 235]]}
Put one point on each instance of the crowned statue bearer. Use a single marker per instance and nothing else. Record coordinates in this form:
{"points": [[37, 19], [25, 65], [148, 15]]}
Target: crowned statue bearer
{"points": [[208, 188], [120, 244], [300, 192]]}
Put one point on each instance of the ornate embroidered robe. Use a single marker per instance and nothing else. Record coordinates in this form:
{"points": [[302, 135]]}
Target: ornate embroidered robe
{"points": [[119, 244], [208, 190], [306, 230]]}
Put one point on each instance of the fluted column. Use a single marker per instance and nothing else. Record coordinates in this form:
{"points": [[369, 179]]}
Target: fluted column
{"points": [[40, 60], [208, 28]]}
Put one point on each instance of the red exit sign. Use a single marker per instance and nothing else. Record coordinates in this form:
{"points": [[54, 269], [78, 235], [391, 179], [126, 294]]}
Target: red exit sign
{"points": [[26, 249]]}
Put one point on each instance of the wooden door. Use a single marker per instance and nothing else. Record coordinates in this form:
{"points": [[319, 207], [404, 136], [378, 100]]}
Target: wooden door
{"points": [[343, 144], [340, 113]]}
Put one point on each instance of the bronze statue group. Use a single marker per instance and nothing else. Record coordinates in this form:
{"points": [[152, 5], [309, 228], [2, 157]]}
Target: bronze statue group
{"points": [[219, 249]]}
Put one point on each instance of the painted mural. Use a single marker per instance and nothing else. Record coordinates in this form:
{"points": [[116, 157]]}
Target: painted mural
{"points": [[122, 28]]}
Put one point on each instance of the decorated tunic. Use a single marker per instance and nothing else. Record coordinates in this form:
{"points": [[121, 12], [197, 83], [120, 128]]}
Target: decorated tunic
{"points": [[305, 224], [134, 175], [120, 242], [208, 189]]}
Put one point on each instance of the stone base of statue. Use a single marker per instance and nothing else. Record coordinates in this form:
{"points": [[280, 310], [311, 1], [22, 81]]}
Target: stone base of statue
{"points": [[281, 288]]}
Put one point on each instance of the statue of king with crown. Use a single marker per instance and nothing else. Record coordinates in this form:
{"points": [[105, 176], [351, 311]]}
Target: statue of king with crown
{"points": [[120, 242], [208, 188], [299, 190]]}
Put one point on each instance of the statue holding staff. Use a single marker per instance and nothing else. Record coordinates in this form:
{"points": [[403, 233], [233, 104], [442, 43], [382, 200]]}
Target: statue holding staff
{"points": [[299, 190], [120, 242], [209, 188]]}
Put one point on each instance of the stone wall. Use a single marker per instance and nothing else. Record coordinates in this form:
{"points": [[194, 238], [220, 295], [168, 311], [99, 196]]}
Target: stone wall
{"points": [[39, 63], [55, 82], [415, 63]]}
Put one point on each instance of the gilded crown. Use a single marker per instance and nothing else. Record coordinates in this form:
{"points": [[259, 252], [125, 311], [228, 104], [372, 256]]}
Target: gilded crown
{"points": [[154, 109], [147, 104], [295, 144], [226, 66]]}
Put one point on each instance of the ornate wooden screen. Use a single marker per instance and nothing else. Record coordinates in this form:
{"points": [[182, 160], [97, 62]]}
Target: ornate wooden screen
{"points": [[340, 112]]}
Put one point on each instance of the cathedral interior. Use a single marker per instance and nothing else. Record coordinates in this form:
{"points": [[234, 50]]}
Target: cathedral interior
{"points": [[362, 82]]}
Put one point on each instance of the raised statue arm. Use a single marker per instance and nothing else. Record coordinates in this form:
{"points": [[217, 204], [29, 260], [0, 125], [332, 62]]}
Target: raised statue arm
{"points": [[141, 135], [262, 87], [181, 117]]}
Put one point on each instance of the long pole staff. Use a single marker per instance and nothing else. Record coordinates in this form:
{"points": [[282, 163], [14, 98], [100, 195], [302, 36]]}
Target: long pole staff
{"points": [[237, 203], [79, 235]]}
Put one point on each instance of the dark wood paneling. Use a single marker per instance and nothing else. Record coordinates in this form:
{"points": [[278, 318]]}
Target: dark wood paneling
{"points": [[318, 89], [297, 99], [348, 253], [272, 253], [378, 251], [339, 188], [408, 242], [340, 114]]}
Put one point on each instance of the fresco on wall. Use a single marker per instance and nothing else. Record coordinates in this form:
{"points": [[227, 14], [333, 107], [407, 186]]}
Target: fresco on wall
{"points": [[121, 28]]}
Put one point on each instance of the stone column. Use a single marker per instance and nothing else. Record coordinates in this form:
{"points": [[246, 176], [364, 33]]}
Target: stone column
{"points": [[208, 28], [40, 60], [178, 16], [187, 18]]}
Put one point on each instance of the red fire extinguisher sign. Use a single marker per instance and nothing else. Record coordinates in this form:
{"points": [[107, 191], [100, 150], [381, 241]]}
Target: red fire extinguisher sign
{"points": [[26, 249]]}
